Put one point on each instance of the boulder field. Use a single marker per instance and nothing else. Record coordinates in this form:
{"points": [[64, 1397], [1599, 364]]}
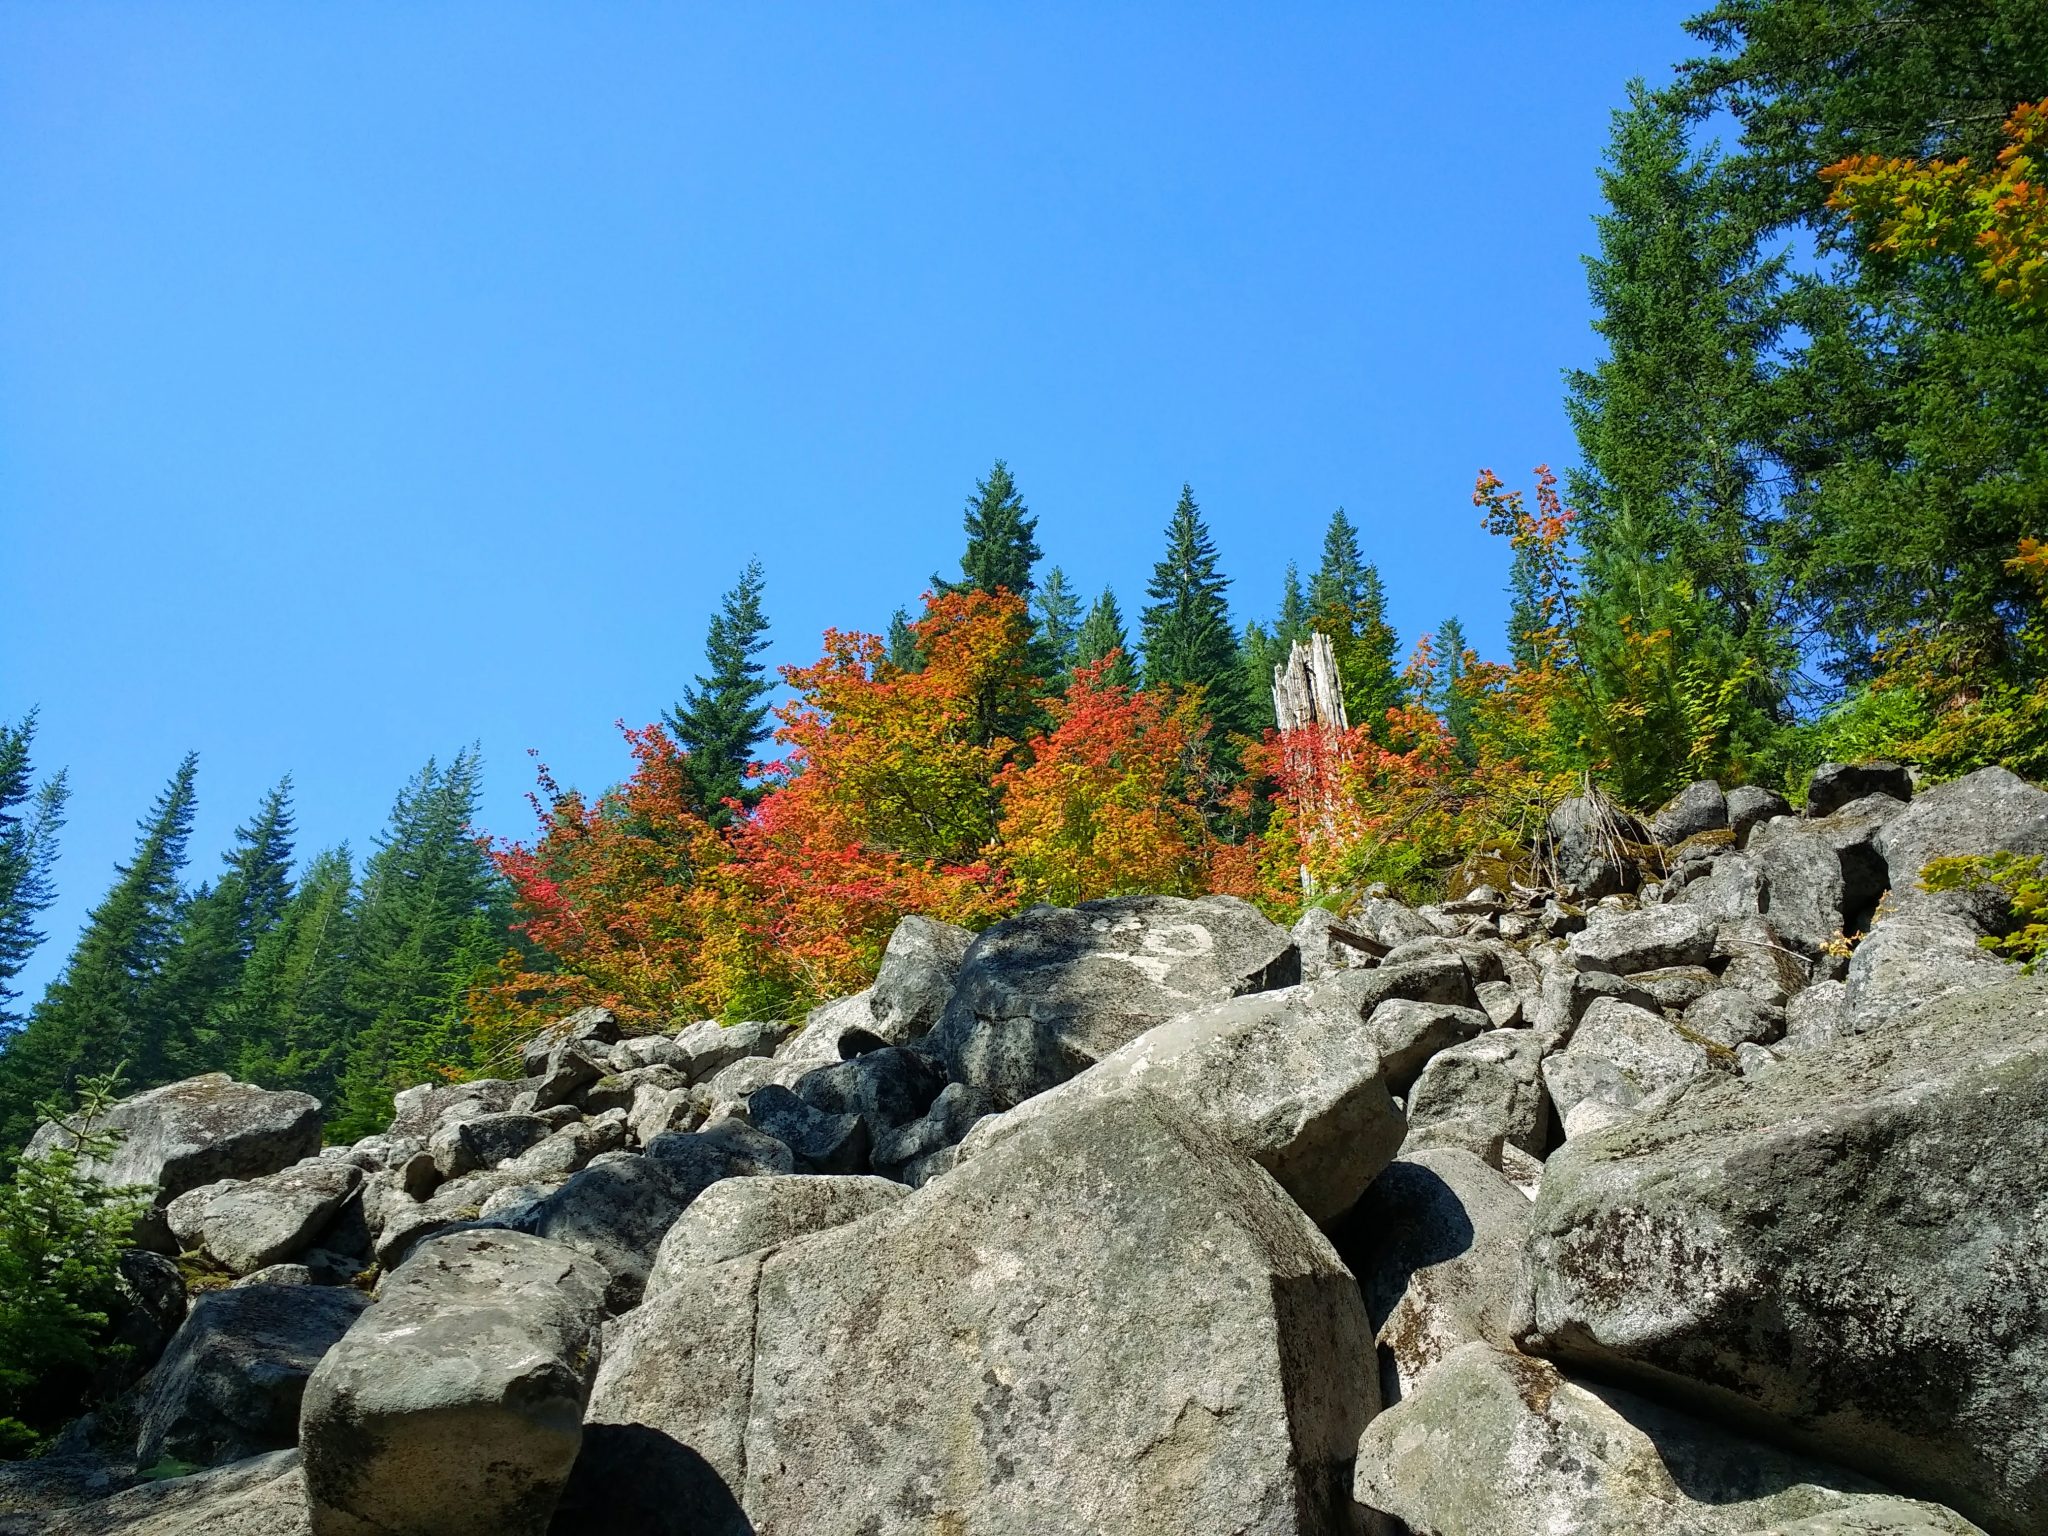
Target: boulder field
{"points": [[1701, 1191]]}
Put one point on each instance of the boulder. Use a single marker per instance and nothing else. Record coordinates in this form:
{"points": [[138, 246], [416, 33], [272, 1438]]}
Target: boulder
{"points": [[1729, 1016], [1755, 957], [1495, 1444], [1834, 785], [708, 1047], [422, 1110], [833, 1031], [1437, 1245], [462, 1146], [229, 1384], [195, 1132], [618, 1213], [1732, 888], [1592, 848], [1327, 944], [1482, 1094], [887, 1088], [1851, 1248], [1408, 1034], [1048, 993], [572, 1066], [1651, 938], [951, 1116], [618, 1090], [915, 982], [249, 1224], [1752, 805], [1294, 1085], [1813, 1018], [596, 1027], [1673, 988], [1172, 1347], [1620, 1055], [1925, 951], [1387, 922], [260, 1496], [741, 1216], [1990, 811], [655, 1110], [1694, 809], [455, 1405], [1802, 875], [822, 1141], [736, 1083]]}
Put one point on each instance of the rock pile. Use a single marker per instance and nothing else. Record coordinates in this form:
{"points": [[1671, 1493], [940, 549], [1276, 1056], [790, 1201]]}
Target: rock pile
{"points": [[1701, 1192]]}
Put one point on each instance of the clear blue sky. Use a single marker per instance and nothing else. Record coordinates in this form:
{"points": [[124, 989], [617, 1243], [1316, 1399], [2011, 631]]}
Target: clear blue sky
{"points": [[378, 378]]}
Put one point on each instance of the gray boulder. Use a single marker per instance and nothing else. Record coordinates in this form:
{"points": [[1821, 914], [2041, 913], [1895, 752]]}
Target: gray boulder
{"points": [[915, 982], [198, 1131], [1408, 1034], [1694, 809], [1328, 944], [1050, 992], [1495, 1444], [1483, 1094], [708, 1047], [833, 1031], [249, 1224], [259, 1496], [1990, 811], [1729, 1016], [229, 1384], [618, 1090], [462, 1146], [1437, 1245], [951, 1116], [1731, 888], [1834, 785], [1752, 805], [455, 1405], [1172, 1347], [823, 1142], [420, 1111], [1620, 1055], [1652, 938], [1851, 1247], [1592, 848], [1925, 951], [1813, 1018], [742, 1216], [596, 1027], [1295, 1086]]}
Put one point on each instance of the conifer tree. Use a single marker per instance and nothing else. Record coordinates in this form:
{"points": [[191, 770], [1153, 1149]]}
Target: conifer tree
{"points": [[30, 817], [1189, 641], [1100, 635], [218, 929], [1347, 602], [1259, 651], [1452, 704], [1001, 549], [903, 653], [99, 1013], [1525, 608], [432, 919], [1292, 623], [1057, 607], [721, 721], [289, 1021]]}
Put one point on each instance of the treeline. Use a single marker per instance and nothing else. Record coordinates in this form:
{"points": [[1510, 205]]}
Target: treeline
{"points": [[1806, 521]]}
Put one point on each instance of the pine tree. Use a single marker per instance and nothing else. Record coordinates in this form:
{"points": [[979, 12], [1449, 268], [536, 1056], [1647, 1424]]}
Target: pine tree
{"points": [[432, 919], [1292, 623], [29, 821], [98, 1014], [1001, 550], [1259, 651], [723, 719], [1057, 608], [1525, 609], [1347, 602], [1100, 635], [1189, 641], [1453, 705], [218, 929], [289, 1021], [903, 652]]}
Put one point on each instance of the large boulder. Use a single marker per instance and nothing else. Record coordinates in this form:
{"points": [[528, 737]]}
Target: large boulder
{"points": [[741, 1216], [1290, 1082], [1619, 1056], [1751, 806], [248, 1224], [1592, 848], [1437, 1245], [1921, 952], [260, 1496], [229, 1384], [1653, 938], [1112, 1322], [837, 1030], [1486, 1092], [708, 1047], [1834, 785], [1496, 1444], [198, 1131], [455, 1405], [1990, 811], [1050, 992], [915, 982], [1694, 809], [422, 1110], [1851, 1247]]}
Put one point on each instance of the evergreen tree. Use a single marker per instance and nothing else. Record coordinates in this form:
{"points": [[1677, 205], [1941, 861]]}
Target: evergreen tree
{"points": [[1452, 704], [1001, 549], [289, 1021], [218, 929], [903, 653], [99, 1013], [1057, 607], [1259, 651], [1100, 635], [1347, 602], [30, 817], [724, 718], [1293, 623], [433, 917], [1189, 641], [1525, 609]]}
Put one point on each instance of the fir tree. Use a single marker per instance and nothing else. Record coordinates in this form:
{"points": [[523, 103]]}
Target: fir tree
{"points": [[1525, 609], [1102, 634], [99, 1013], [289, 1021], [433, 918], [30, 817], [1057, 607], [723, 719], [903, 652], [1453, 704], [1001, 550], [1189, 641], [1259, 651], [1292, 623], [218, 929], [1347, 602]]}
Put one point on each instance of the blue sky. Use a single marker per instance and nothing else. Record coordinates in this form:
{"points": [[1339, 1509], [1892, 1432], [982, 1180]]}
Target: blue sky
{"points": [[380, 378]]}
